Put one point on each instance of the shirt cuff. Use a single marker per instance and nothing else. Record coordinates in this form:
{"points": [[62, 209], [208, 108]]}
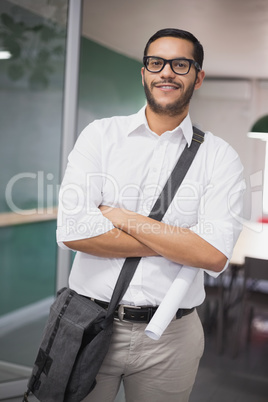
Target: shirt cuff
{"points": [[216, 274], [82, 229], [220, 235]]}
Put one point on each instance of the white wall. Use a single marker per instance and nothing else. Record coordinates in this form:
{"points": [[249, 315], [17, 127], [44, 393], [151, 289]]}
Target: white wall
{"points": [[228, 108]]}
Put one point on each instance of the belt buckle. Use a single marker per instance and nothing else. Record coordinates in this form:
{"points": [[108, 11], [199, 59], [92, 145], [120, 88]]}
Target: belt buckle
{"points": [[121, 311]]}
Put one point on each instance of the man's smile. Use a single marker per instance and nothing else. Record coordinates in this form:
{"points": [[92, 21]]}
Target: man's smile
{"points": [[166, 86]]}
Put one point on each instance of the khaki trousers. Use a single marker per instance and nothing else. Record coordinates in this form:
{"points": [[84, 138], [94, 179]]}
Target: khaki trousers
{"points": [[151, 371]]}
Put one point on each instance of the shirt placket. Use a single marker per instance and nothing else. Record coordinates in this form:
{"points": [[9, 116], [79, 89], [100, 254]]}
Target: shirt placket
{"points": [[151, 190]]}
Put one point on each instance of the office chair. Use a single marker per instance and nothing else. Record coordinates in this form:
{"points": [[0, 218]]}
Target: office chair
{"points": [[254, 297]]}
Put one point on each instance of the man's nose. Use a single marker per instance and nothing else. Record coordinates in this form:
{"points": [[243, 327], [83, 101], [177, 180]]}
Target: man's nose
{"points": [[167, 71]]}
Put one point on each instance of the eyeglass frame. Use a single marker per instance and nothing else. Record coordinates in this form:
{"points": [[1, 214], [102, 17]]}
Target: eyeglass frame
{"points": [[191, 62]]}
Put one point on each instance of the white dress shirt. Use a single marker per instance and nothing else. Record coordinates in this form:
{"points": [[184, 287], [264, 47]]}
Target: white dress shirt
{"points": [[120, 162]]}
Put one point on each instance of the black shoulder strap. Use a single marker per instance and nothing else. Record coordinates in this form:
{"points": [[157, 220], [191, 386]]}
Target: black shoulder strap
{"points": [[158, 211], [177, 175]]}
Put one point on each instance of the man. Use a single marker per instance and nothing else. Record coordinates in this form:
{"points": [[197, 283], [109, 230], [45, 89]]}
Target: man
{"points": [[115, 173]]}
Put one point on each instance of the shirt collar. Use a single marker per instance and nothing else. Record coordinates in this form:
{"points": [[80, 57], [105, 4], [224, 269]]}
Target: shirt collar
{"points": [[187, 129], [139, 119]]}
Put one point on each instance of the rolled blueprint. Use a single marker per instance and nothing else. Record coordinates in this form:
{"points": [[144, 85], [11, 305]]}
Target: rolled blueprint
{"points": [[171, 302]]}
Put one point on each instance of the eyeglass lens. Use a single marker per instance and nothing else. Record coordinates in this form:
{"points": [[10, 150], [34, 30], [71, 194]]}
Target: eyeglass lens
{"points": [[179, 66]]}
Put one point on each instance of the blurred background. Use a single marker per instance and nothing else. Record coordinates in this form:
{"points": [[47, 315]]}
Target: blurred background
{"points": [[62, 65]]}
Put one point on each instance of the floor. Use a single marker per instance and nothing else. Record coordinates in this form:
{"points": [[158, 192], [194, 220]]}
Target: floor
{"points": [[222, 378]]}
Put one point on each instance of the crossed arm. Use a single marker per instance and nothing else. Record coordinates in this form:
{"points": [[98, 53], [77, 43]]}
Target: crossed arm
{"points": [[137, 235]]}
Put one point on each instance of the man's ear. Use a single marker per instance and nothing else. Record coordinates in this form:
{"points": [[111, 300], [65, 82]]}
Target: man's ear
{"points": [[142, 75], [199, 79]]}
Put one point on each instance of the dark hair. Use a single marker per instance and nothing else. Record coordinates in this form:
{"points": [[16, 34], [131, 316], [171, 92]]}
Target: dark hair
{"points": [[179, 33]]}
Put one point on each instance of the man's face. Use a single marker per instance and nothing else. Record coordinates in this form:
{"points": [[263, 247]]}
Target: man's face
{"points": [[168, 93]]}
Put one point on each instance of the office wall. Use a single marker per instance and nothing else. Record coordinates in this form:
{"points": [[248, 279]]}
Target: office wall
{"points": [[228, 108], [110, 84]]}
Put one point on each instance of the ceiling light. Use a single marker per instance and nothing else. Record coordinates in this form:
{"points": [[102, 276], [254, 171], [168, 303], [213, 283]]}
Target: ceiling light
{"points": [[5, 54]]}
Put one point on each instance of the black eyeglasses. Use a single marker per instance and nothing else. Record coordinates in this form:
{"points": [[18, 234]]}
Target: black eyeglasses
{"points": [[179, 66]]}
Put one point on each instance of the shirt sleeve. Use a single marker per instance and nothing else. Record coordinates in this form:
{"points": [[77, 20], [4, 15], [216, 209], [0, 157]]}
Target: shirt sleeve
{"points": [[221, 207], [80, 193]]}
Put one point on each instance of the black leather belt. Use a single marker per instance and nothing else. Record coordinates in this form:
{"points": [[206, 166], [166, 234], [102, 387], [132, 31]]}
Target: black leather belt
{"points": [[139, 314]]}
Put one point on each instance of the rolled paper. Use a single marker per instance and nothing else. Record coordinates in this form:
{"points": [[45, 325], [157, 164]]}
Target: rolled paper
{"points": [[171, 302]]}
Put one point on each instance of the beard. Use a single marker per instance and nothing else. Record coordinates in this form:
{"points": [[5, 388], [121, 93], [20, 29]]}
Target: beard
{"points": [[171, 109]]}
